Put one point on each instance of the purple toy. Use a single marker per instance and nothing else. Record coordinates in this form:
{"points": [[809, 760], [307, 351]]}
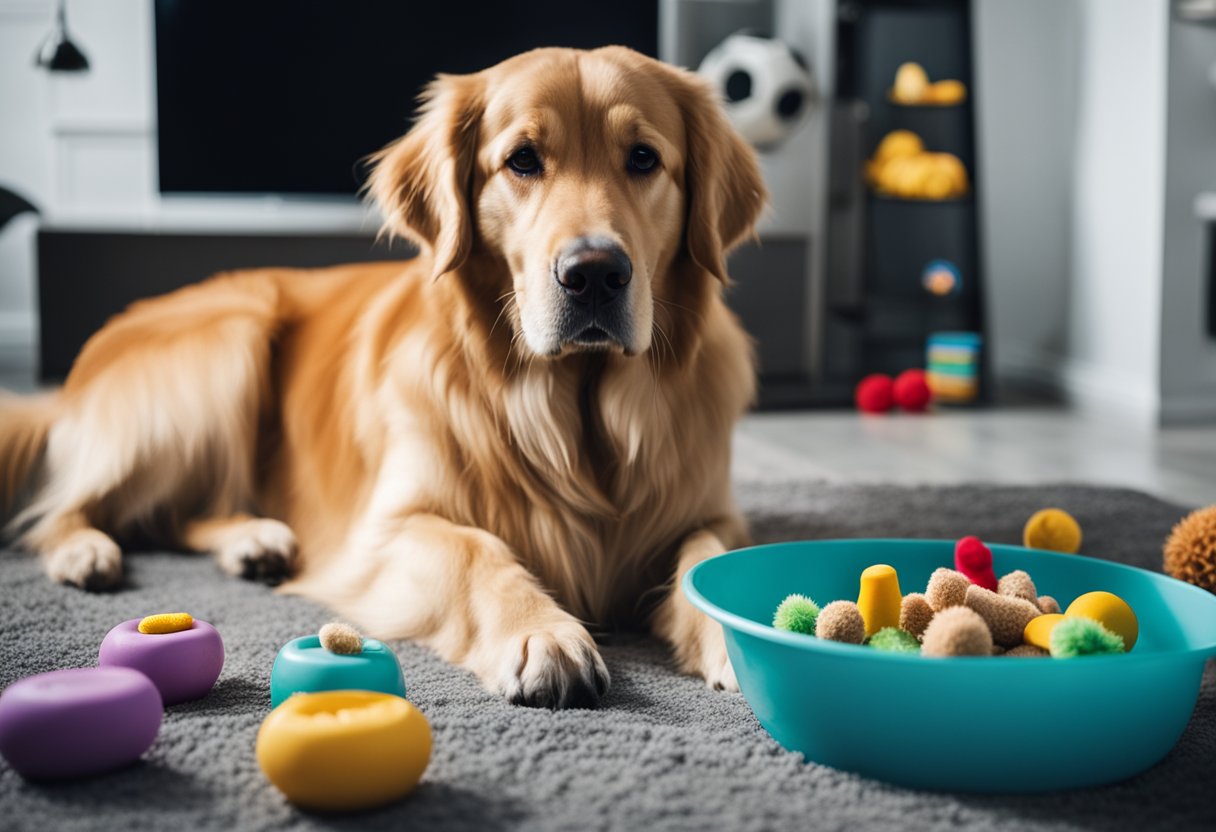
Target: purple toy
{"points": [[75, 723], [183, 665]]}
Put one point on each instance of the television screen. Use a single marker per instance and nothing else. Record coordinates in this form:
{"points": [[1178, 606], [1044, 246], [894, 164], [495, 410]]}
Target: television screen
{"points": [[287, 96]]}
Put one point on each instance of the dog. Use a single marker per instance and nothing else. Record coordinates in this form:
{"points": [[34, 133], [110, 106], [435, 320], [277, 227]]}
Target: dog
{"points": [[519, 434]]}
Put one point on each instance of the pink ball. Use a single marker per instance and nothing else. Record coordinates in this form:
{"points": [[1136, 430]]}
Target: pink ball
{"points": [[874, 393], [912, 391]]}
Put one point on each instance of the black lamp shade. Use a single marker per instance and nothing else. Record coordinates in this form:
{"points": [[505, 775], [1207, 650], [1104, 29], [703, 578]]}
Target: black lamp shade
{"points": [[58, 53]]}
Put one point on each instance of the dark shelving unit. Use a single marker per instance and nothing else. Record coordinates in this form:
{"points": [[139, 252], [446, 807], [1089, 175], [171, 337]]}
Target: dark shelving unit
{"points": [[879, 314]]}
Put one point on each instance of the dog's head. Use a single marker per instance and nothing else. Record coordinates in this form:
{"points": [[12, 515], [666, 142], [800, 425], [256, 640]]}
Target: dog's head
{"points": [[588, 174]]}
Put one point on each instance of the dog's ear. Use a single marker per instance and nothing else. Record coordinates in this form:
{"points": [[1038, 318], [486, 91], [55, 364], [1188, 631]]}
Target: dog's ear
{"points": [[423, 181], [724, 189]]}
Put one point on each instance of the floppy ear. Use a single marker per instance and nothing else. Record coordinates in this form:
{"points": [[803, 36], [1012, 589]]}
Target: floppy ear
{"points": [[723, 186], [423, 181]]}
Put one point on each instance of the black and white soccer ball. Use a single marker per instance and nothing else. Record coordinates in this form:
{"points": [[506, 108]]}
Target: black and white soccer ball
{"points": [[766, 85]]}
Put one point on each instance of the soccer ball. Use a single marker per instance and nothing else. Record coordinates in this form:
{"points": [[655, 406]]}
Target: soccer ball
{"points": [[766, 86]]}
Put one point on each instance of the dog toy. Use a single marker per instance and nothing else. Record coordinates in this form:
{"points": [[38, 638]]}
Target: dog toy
{"points": [[78, 723], [1052, 529], [1048, 605], [344, 750], [1190, 550], [947, 588], [911, 391], [183, 659], [841, 621], [797, 614], [1077, 636], [956, 631], [330, 661], [912, 86], [915, 613], [1018, 584], [1109, 610], [879, 598], [894, 640], [1027, 651], [1006, 617], [875, 393], [974, 559], [1038, 630]]}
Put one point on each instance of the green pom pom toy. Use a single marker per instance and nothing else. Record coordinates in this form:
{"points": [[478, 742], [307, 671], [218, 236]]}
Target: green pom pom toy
{"points": [[894, 640], [1083, 637], [798, 614]]}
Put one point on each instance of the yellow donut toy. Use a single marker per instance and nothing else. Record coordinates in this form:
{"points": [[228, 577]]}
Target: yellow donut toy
{"points": [[344, 750]]}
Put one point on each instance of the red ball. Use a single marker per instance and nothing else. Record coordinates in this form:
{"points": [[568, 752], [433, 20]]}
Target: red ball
{"points": [[874, 393], [912, 391]]}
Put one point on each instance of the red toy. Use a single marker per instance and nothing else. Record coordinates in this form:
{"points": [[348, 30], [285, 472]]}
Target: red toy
{"points": [[875, 393], [974, 559], [911, 391]]}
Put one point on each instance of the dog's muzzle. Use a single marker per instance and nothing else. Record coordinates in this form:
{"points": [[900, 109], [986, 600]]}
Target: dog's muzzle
{"points": [[593, 274]]}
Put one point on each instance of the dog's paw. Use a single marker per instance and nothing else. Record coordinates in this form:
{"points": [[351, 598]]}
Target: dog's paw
{"points": [[713, 665], [555, 667], [721, 675], [86, 558], [260, 550]]}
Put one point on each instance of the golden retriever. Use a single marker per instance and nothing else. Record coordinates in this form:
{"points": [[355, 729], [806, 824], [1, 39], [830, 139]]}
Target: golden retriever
{"points": [[522, 432]]}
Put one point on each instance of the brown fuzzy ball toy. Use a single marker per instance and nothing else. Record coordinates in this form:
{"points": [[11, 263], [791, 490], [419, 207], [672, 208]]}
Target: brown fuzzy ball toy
{"points": [[1190, 550]]}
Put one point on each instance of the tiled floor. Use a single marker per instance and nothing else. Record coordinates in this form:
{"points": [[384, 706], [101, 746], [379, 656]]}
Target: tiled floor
{"points": [[1018, 444], [1037, 444]]}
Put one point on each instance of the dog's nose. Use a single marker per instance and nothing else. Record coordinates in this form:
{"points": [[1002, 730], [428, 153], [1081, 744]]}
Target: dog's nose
{"points": [[594, 274]]}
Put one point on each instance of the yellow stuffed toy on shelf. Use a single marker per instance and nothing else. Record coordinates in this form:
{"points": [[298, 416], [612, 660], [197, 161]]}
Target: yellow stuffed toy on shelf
{"points": [[902, 167], [912, 87]]}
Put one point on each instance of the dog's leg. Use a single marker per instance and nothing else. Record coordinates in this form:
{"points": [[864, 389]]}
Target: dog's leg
{"points": [[256, 548], [461, 591], [697, 639]]}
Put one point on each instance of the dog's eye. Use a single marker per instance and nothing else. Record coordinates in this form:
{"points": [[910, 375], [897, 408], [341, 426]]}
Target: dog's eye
{"points": [[524, 162], [643, 159]]}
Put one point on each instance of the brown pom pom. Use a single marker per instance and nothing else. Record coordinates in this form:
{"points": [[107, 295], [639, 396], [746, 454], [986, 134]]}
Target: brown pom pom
{"points": [[841, 621], [1048, 605], [1017, 584], [1190, 550], [915, 614], [957, 631], [1027, 651], [341, 638], [1006, 617], [947, 588]]}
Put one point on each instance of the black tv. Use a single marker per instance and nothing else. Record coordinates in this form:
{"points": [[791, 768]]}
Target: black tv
{"points": [[287, 96]]}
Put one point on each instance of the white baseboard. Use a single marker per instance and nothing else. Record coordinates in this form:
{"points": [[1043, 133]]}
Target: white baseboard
{"points": [[1084, 385]]}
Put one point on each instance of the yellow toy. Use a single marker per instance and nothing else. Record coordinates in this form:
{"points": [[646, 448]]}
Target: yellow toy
{"points": [[1052, 529], [912, 86], [344, 750], [1038, 630], [1190, 550], [1110, 611], [879, 599], [165, 622]]}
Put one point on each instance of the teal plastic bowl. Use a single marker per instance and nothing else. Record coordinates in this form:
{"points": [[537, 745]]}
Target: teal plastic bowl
{"points": [[965, 724]]}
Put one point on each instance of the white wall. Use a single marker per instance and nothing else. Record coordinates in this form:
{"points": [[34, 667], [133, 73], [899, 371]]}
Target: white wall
{"points": [[1188, 353], [1026, 99]]}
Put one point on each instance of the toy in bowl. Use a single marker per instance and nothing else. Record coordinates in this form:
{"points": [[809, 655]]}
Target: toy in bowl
{"points": [[886, 714], [337, 658], [183, 656]]}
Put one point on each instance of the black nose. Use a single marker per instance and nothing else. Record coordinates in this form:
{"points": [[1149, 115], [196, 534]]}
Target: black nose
{"points": [[594, 273]]}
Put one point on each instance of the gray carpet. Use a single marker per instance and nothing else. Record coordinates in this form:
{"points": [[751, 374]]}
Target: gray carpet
{"points": [[662, 752]]}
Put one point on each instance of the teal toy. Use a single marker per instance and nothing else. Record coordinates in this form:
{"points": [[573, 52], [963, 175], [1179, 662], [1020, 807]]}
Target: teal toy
{"points": [[305, 665]]}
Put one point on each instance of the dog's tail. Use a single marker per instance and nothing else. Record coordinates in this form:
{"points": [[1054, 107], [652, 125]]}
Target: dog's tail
{"points": [[25, 422]]}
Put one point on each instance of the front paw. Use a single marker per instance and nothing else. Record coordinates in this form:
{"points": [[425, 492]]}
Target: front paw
{"points": [[715, 667], [554, 667], [86, 558]]}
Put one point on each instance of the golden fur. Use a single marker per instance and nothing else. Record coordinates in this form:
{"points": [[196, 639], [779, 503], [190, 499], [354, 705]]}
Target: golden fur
{"points": [[452, 471]]}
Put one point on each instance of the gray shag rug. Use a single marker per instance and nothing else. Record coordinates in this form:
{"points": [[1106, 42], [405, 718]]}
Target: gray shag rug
{"points": [[662, 752]]}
